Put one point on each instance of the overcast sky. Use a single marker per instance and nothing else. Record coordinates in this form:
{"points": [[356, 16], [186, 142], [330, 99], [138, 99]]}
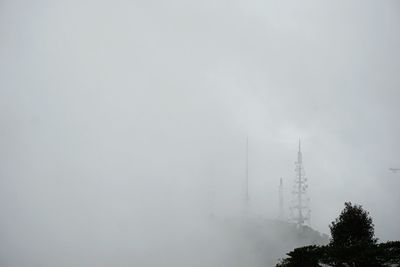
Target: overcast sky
{"points": [[115, 113]]}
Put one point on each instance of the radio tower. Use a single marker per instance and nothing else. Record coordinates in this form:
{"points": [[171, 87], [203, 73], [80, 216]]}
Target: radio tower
{"points": [[300, 212]]}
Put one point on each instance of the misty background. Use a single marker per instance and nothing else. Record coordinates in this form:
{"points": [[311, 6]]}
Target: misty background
{"points": [[123, 124]]}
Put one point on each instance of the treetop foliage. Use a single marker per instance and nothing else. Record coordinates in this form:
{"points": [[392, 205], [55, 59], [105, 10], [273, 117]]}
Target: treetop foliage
{"points": [[353, 227], [352, 244]]}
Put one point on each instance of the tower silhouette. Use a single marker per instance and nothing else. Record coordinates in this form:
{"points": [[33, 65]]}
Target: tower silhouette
{"points": [[299, 210]]}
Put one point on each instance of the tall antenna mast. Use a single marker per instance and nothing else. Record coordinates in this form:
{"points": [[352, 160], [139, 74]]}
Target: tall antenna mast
{"points": [[281, 215], [300, 212]]}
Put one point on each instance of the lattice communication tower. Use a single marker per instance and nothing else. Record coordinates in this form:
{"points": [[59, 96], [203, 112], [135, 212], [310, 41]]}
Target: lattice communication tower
{"points": [[300, 212]]}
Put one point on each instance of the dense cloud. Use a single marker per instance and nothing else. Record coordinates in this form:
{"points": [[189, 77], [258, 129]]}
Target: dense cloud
{"points": [[124, 123]]}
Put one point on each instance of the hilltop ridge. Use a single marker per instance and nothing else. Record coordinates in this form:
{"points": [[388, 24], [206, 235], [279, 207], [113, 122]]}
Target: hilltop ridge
{"points": [[262, 242]]}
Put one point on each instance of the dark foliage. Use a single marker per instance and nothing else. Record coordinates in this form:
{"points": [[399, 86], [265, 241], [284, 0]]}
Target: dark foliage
{"points": [[388, 253], [353, 244], [376, 255], [353, 227], [304, 256]]}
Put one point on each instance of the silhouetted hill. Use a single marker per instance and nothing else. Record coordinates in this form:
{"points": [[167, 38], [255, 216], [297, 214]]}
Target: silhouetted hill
{"points": [[264, 241]]}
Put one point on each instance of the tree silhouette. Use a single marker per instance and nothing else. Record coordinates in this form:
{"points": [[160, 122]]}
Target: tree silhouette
{"points": [[353, 227], [352, 244]]}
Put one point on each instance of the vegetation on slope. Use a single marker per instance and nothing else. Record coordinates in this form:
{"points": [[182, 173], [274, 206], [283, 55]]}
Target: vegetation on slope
{"points": [[352, 244]]}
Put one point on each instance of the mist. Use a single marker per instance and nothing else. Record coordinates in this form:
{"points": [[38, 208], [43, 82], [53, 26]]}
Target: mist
{"points": [[123, 125]]}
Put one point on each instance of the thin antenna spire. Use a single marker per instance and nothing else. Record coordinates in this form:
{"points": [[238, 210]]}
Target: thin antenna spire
{"points": [[299, 154]]}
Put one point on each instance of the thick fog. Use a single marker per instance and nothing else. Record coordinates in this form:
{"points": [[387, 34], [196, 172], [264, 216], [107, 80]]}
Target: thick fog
{"points": [[123, 124]]}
